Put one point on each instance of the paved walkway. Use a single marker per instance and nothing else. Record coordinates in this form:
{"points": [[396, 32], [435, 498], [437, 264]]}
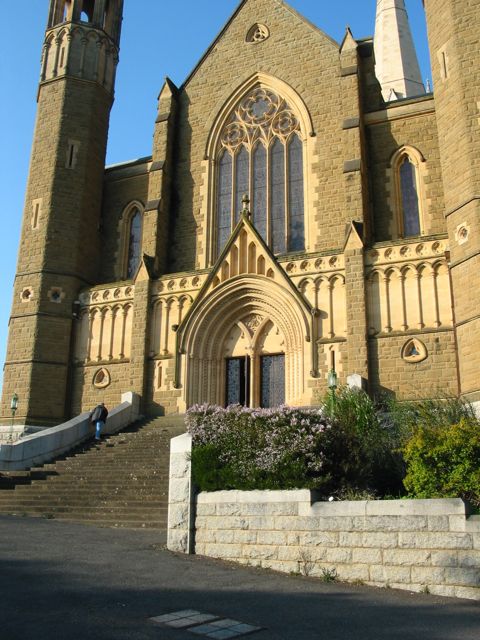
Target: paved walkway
{"points": [[70, 582]]}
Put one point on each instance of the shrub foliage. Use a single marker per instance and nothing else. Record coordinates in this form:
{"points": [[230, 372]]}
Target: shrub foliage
{"points": [[444, 462], [349, 447]]}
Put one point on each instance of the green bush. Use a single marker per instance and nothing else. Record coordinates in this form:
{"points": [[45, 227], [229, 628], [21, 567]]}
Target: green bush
{"points": [[443, 461], [369, 460]]}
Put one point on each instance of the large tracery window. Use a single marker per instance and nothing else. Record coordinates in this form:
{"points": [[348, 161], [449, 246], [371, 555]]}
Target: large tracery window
{"points": [[261, 155]]}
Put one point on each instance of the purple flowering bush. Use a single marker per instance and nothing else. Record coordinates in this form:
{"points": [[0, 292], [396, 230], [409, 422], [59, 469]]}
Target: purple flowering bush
{"points": [[242, 448]]}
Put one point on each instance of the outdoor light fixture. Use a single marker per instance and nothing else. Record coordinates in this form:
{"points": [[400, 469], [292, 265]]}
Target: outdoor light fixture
{"points": [[332, 381], [13, 407], [14, 404]]}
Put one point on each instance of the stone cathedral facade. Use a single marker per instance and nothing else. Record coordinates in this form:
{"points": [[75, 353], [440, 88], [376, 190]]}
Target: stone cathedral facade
{"points": [[307, 206]]}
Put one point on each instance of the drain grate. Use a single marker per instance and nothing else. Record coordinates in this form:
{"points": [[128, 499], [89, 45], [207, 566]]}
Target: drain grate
{"points": [[205, 624]]}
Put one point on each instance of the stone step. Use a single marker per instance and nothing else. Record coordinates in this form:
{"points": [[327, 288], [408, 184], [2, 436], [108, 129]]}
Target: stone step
{"points": [[95, 511], [120, 482]]}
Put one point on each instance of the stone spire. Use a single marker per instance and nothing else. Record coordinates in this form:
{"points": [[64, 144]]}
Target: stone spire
{"points": [[396, 63]]}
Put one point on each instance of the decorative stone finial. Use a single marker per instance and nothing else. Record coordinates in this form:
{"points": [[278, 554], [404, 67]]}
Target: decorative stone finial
{"points": [[246, 210]]}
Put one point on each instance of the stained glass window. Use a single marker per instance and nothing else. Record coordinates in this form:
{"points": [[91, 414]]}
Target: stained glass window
{"points": [[224, 202], [134, 243], [296, 231], [409, 194], [277, 196], [261, 149], [260, 190], [241, 181]]}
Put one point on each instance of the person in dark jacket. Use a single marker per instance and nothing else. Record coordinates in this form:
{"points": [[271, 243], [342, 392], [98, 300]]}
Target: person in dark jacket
{"points": [[98, 417]]}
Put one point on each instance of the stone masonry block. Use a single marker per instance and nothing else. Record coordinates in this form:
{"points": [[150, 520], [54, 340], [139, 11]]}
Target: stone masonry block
{"points": [[428, 575], [406, 557], [178, 541], [272, 537], [227, 551], [261, 552], [424, 540], [179, 491], [388, 575], [367, 556], [318, 538], [469, 559], [178, 516], [390, 523], [463, 577]]}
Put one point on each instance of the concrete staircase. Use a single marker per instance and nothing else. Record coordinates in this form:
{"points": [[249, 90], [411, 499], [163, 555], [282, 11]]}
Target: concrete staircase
{"points": [[120, 482]]}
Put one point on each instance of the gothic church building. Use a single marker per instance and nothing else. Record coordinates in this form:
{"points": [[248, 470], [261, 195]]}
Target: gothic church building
{"points": [[307, 206]]}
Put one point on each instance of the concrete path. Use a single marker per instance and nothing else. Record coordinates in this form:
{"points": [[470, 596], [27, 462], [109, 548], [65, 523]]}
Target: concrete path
{"points": [[60, 581]]}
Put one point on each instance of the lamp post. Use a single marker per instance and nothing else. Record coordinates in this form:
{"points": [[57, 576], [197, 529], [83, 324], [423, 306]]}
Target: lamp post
{"points": [[332, 382], [13, 407]]}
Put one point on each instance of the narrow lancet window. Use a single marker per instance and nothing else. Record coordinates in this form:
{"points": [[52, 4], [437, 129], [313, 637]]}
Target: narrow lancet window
{"points": [[409, 198], [241, 180], [296, 231], [277, 196], [134, 243], [224, 200], [260, 190]]}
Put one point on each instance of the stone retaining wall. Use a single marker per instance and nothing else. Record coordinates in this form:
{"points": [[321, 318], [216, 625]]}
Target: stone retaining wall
{"points": [[418, 545]]}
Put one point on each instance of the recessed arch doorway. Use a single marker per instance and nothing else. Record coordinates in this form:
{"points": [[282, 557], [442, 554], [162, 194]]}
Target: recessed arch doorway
{"points": [[246, 342]]}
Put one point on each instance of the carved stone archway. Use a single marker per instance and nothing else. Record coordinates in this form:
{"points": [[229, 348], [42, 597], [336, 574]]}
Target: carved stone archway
{"points": [[202, 342]]}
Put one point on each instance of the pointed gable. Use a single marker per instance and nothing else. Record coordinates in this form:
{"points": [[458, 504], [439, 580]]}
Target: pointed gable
{"points": [[262, 12], [246, 254]]}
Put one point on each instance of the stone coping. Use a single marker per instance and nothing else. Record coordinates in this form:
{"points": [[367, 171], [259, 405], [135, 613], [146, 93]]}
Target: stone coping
{"points": [[434, 507]]}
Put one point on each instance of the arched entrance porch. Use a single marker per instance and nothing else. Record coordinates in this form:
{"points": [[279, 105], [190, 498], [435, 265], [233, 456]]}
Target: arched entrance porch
{"points": [[251, 332]]}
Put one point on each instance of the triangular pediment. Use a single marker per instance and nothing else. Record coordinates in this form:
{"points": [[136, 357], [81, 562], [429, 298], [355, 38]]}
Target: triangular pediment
{"points": [[245, 254]]}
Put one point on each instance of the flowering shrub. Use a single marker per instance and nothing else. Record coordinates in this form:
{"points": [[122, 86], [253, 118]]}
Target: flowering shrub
{"points": [[242, 448]]}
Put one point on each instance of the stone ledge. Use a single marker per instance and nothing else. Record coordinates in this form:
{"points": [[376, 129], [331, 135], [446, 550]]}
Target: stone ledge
{"points": [[258, 497]]}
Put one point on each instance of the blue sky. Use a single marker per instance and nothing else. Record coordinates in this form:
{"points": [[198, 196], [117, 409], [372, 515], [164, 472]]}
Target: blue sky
{"points": [[159, 38]]}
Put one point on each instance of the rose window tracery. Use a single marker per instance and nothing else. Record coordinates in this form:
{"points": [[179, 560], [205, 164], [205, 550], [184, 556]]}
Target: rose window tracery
{"points": [[260, 154]]}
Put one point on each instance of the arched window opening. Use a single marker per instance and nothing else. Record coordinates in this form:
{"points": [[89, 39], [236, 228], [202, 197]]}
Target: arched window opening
{"points": [[134, 243], [87, 11], [409, 198], [260, 154]]}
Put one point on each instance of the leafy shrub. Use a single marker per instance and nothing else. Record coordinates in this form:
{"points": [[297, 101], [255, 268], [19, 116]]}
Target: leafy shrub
{"points": [[371, 461], [443, 461]]}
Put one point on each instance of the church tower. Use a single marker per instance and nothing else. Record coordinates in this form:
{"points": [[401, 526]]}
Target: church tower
{"points": [[396, 62], [60, 242], [453, 27]]}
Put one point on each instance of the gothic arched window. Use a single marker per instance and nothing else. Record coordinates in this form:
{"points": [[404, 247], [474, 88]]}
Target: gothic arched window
{"points": [[407, 165], [409, 197], [134, 247], [261, 154]]}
